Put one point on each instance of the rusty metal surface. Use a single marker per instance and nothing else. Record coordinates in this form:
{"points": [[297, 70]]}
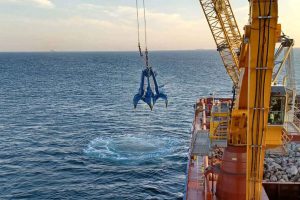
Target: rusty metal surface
{"points": [[232, 179], [194, 189]]}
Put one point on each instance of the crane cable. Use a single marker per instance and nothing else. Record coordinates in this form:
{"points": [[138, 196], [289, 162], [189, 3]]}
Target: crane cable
{"points": [[265, 65], [255, 98], [138, 27], [146, 58]]}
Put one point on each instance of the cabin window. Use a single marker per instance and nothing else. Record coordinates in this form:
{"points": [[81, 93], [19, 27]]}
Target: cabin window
{"points": [[277, 110], [290, 98], [224, 107]]}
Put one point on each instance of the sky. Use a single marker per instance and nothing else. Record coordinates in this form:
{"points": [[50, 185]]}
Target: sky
{"points": [[110, 25]]}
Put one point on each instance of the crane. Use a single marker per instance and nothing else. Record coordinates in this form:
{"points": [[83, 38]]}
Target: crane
{"points": [[226, 34], [254, 122]]}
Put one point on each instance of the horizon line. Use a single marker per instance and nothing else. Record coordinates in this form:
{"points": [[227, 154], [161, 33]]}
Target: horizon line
{"points": [[112, 51], [91, 51]]}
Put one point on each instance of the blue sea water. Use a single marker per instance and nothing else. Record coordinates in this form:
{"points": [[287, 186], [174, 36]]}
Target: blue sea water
{"points": [[69, 131]]}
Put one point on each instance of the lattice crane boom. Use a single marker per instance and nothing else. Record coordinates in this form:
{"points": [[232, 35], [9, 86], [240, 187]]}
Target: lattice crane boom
{"points": [[226, 34]]}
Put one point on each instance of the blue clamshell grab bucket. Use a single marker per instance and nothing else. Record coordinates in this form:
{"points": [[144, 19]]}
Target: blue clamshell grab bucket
{"points": [[149, 90]]}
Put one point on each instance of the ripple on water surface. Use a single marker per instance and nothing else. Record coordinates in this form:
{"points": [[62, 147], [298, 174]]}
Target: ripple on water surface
{"points": [[131, 148], [69, 132]]}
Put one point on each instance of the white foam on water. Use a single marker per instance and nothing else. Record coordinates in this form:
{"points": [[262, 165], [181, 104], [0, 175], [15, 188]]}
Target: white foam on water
{"points": [[131, 147]]}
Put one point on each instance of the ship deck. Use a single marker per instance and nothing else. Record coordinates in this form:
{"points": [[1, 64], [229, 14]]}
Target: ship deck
{"points": [[199, 186]]}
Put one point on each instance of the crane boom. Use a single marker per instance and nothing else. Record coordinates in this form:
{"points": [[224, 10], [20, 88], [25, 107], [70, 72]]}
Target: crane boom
{"points": [[226, 34]]}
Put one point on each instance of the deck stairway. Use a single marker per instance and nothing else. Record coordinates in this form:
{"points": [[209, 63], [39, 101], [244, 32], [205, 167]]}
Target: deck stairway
{"points": [[219, 137]]}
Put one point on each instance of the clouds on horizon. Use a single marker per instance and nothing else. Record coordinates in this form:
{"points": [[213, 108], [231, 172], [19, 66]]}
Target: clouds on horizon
{"points": [[101, 28], [92, 27], [39, 3]]}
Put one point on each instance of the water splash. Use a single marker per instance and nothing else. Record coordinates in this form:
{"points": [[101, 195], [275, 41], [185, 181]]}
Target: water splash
{"points": [[131, 147]]}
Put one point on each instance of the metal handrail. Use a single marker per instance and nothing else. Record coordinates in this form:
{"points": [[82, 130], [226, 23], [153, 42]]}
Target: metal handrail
{"points": [[215, 136]]}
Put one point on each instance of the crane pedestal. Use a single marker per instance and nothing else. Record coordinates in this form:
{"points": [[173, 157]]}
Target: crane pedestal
{"points": [[232, 178]]}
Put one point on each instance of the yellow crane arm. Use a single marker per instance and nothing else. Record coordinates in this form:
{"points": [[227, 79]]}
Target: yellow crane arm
{"points": [[263, 33], [226, 34]]}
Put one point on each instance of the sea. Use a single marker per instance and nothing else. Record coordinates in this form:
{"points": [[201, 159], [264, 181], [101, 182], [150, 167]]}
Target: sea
{"points": [[68, 129]]}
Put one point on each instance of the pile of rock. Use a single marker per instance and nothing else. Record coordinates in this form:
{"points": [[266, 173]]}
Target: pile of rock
{"points": [[283, 168]]}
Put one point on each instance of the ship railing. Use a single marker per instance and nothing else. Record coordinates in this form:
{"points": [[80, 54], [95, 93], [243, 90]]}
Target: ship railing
{"points": [[292, 123], [296, 119], [286, 139]]}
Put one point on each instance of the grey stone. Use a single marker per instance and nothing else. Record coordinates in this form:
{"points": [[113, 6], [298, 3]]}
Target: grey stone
{"points": [[276, 166], [269, 160], [293, 170], [284, 163], [267, 175], [296, 178], [285, 177], [283, 168], [279, 177], [278, 173], [273, 156], [278, 160], [291, 160], [273, 178]]}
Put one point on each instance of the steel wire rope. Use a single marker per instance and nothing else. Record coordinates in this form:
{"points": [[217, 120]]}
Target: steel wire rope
{"points": [[260, 102], [145, 22], [255, 98], [265, 71], [138, 27], [262, 76], [143, 55], [146, 42]]}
